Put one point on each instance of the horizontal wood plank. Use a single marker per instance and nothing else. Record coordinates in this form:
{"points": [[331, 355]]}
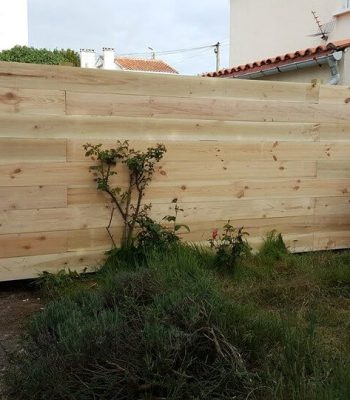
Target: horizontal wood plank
{"points": [[30, 244], [25, 174], [334, 94], [203, 108], [328, 169], [338, 132], [29, 267], [42, 220], [98, 128], [183, 150], [30, 197], [77, 173], [31, 101], [123, 82], [332, 240], [280, 150], [333, 206], [97, 216], [223, 190], [25, 149], [238, 209], [171, 171]]}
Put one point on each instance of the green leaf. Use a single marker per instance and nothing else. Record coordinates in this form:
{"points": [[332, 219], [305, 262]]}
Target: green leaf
{"points": [[169, 218], [179, 226]]}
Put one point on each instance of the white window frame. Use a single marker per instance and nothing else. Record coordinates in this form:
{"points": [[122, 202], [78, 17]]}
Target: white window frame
{"points": [[345, 8]]}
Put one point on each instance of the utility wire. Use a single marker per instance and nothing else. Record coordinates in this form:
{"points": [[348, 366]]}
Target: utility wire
{"points": [[177, 60], [169, 52], [184, 59]]}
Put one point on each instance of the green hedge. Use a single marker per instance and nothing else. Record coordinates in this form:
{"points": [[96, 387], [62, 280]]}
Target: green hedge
{"points": [[31, 55]]}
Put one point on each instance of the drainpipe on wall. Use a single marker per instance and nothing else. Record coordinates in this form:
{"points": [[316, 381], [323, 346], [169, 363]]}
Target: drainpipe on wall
{"points": [[331, 60], [333, 65]]}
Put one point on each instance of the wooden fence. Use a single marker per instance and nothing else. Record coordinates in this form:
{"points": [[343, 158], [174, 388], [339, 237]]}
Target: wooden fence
{"points": [[265, 155]]}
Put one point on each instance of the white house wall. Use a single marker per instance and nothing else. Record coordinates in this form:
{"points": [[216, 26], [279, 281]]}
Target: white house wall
{"points": [[306, 75], [266, 28]]}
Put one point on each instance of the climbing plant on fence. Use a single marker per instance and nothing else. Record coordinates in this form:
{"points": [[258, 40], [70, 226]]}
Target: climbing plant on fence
{"points": [[140, 168]]}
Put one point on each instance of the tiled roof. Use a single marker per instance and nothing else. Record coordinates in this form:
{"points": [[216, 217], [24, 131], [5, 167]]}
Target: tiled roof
{"points": [[279, 61], [146, 65]]}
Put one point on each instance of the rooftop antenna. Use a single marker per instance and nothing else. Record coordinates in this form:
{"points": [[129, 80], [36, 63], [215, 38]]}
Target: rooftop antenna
{"points": [[324, 29], [153, 53]]}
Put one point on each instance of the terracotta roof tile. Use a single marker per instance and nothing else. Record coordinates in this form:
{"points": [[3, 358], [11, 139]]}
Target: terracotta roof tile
{"points": [[146, 65], [278, 61]]}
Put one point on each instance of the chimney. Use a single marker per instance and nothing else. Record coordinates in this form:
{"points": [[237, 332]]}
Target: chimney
{"points": [[87, 58], [108, 58]]}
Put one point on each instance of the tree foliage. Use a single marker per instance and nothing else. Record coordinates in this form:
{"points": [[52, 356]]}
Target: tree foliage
{"points": [[32, 55]]}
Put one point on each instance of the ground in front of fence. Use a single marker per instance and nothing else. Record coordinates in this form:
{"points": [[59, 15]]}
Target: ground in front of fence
{"points": [[18, 301]]}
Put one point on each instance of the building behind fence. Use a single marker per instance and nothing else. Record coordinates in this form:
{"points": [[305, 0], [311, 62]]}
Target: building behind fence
{"points": [[265, 155]]}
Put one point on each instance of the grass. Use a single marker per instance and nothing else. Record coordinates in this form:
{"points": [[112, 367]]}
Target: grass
{"points": [[277, 327]]}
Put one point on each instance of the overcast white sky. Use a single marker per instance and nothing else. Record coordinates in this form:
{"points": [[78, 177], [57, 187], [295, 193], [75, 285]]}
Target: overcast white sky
{"points": [[130, 26]]}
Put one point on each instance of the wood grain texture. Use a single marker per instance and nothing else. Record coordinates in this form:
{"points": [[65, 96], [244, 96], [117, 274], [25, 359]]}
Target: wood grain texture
{"points": [[332, 240], [239, 209], [265, 155], [77, 173], [29, 244], [122, 82], [203, 108], [179, 150], [338, 132], [280, 150], [171, 171], [53, 242], [15, 268], [32, 174], [32, 101], [42, 220], [224, 190], [334, 94], [330, 169], [26, 149], [88, 127], [333, 206], [32, 197]]}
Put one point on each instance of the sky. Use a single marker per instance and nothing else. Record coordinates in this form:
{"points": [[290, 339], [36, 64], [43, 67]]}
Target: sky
{"points": [[131, 26]]}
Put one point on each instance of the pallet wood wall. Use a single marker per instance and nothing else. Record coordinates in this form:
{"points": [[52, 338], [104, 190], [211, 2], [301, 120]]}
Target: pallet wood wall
{"points": [[265, 155]]}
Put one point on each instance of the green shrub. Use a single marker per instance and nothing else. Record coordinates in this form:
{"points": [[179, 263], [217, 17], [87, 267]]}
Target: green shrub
{"points": [[228, 246], [171, 330], [274, 247], [53, 285], [26, 54], [145, 333]]}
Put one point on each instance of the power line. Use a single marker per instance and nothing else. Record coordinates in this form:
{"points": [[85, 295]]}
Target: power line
{"points": [[186, 58], [169, 52]]}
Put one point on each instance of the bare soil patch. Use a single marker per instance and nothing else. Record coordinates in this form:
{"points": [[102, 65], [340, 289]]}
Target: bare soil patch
{"points": [[18, 301]]}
